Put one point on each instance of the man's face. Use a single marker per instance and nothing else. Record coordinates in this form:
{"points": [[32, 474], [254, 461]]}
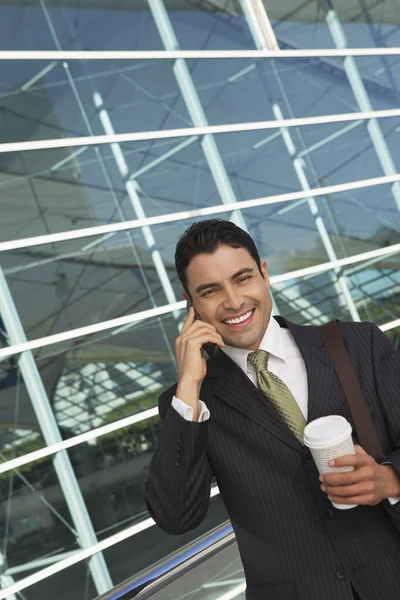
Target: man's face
{"points": [[227, 286]]}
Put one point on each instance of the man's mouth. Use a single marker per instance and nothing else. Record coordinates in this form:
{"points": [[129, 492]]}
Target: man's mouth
{"points": [[241, 320]]}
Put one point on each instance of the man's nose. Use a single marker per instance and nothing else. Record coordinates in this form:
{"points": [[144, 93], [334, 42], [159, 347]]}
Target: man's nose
{"points": [[232, 300]]}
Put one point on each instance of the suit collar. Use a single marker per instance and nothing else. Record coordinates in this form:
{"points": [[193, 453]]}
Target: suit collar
{"points": [[234, 387]]}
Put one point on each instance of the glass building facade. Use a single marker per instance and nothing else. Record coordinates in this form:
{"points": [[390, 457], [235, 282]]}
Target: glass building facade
{"points": [[121, 123]]}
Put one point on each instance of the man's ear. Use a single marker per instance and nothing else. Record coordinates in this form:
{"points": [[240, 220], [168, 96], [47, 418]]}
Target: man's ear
{"points": [[264, 270], [186, 296]]}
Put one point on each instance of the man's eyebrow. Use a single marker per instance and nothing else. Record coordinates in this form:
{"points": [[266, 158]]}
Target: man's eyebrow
{"points": [[205, 286], [242, 272]]}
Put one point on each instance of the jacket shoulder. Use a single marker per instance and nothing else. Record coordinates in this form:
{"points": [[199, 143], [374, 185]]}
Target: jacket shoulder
{"points": [[355, 329]]}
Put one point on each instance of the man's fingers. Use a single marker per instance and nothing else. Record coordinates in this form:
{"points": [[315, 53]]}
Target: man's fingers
{"points": [[345, 491], [361, 474], [199, 328], [364, 499], [352, 460], [196, 325], [190, 319], [205, 337]]}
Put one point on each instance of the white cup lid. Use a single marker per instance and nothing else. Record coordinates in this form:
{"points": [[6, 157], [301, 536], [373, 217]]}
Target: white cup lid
{"points": [[326, 430]]}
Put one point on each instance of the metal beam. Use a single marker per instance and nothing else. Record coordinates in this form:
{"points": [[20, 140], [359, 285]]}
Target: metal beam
{"points": [[363, 101], [264, 38], [51, 434]]}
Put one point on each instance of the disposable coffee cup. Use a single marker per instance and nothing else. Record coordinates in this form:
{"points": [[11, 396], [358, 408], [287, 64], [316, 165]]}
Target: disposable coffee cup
{"points": [[327, 438]]}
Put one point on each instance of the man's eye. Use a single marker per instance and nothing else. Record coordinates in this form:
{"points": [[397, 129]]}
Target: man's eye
{"points": [[245, 278], [208, 293]]}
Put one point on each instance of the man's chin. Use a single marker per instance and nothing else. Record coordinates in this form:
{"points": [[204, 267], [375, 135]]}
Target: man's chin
{"points": [[243, 341]]}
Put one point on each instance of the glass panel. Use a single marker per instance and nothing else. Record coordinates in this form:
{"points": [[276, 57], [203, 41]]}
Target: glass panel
{"points": [[259, 164], [36, 526], [57, 190], [24, 27], [299, 24], [37, 102], [74, 582], [73, 26], [49, 191], [112, 375], [369, 24], [113, 26], [312, 300], [49, 99], [19, 428], [77, 283], [373, 285], [211, 25], [303, 24], [36, 522], [121, 26], [234, 91], [287, 237], [85, 282]]}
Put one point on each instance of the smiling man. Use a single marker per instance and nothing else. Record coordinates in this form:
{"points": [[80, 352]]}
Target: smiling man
{"points": [[240, 418]]}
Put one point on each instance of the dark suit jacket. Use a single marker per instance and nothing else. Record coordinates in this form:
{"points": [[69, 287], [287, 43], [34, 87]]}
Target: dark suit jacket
{"points": [[293, 544]]}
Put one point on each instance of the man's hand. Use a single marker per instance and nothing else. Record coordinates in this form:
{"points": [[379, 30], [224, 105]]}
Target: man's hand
{"points": [[191, 362], [368, 484]]}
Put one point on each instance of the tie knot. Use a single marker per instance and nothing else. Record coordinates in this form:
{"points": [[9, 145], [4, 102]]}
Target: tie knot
{"points": [[259, 359]]}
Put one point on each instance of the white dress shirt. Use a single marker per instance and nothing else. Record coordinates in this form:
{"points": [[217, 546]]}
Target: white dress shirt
{"points": [[285, 361]]}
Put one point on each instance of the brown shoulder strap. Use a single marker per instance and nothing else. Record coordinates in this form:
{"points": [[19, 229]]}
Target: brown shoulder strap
{"points": [[344, 368]]}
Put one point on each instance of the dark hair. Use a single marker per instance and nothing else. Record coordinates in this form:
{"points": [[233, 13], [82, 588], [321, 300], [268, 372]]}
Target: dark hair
{"points": [[207, 236]]}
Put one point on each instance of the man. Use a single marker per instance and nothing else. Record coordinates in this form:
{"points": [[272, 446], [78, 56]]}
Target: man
{"points": [[227, 418]]}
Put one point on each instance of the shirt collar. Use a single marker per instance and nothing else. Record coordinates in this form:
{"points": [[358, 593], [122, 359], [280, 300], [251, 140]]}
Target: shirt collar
{"points": [[271, 342]]}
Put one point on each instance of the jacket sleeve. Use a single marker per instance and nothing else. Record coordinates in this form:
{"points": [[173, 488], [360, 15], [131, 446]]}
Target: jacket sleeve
{"points": [[177, 492], [386, 366]]}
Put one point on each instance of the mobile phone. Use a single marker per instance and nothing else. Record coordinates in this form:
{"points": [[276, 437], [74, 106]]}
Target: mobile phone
{"points": [[209, 347]]}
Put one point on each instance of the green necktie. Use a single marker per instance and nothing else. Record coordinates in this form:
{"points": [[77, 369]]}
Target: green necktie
{"points": [[278, 394]]}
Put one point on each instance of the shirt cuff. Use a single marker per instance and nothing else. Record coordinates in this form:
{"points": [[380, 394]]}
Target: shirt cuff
{"points": [[186, 411], [394, 500]]}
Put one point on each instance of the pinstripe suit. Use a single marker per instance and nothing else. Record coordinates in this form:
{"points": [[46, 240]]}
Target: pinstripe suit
{"points": [[293, 544]]}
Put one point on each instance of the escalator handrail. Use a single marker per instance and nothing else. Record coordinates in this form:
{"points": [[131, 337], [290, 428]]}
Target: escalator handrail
{"points": [[147, 583]]}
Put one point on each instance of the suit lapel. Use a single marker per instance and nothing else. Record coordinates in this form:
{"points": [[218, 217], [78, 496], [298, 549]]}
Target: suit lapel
{"points": [[233, 387]]}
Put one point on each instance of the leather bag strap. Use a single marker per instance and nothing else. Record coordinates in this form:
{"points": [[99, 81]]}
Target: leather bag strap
{"points": [[346, 373]]}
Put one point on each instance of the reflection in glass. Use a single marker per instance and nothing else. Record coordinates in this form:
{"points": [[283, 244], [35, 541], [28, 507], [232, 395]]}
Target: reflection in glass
{"points": [[48, 99], [75, 26], [113, 374], [87, 281], [216, 25], [49, 191], [83, 282], [303, 24], [373, 284]]}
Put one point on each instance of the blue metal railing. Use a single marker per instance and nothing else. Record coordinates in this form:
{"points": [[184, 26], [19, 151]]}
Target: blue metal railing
{"points": [[171, 565]]}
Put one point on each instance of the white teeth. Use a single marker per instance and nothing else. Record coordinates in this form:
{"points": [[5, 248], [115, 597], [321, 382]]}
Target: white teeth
{"points": [[239, 319]]}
